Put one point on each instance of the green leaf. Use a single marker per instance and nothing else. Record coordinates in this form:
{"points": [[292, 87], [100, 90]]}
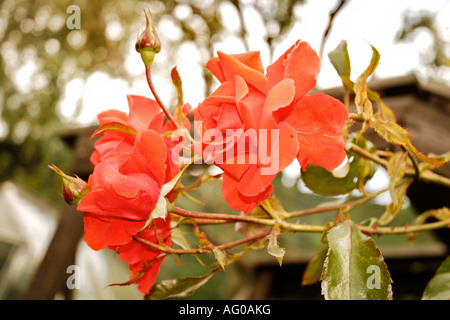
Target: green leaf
{"points": [[326, 183], [396, 170], [439, 286], [273, 247], [340, 59], [393, 133], [362, 101], [396, 205], [221, 256], [179, 237], [176, 80], [314, 268], [354, 268], [178, 288], [113, 126]]}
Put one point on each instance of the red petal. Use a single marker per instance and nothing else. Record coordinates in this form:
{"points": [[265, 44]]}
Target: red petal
{"points": [[146, 281], [142, 111], [251, 59], [104, 232], [253, 183], [300, 63], [107, 203], [324, 151], [112, 116], [134, 251], [232, 66], [318, 114], [318, 120], [151, 147], [215, 67], [231, 195], [238, 201], [279, 96]]}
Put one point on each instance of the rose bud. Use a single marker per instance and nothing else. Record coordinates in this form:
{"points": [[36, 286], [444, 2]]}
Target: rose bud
{"points": [[148, 43], [73, 188]]}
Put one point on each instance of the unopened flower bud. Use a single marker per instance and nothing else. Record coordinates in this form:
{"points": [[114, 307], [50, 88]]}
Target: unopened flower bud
{"points": [[73, 188], [148, 43]]}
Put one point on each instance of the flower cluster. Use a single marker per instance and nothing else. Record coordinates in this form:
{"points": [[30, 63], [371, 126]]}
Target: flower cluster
{"points": [[252, 127], [131, 165]]}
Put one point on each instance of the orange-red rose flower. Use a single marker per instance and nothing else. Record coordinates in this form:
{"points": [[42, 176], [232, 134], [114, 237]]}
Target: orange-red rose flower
{"points": [[132, 162], [254, 125], [125, 188]]}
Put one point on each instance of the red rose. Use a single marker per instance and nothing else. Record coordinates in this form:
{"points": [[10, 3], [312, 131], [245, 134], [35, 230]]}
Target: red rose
{"points": [[254, 125], [124, 190], [132, 163]]}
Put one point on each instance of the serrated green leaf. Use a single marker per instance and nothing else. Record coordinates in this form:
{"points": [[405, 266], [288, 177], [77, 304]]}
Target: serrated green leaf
{"points": [[178, 288], [314, 268], [439, 286], [354, 268]]}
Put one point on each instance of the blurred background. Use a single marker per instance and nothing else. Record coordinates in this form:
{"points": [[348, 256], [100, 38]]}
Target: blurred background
{"points": [[54, 79]]}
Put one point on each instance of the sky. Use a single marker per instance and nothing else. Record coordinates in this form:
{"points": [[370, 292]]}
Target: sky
{"points": [[360, 23]]}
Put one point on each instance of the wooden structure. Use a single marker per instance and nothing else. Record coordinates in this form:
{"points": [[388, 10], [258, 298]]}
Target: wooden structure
{"points": [[50, 278], [423, 109]]}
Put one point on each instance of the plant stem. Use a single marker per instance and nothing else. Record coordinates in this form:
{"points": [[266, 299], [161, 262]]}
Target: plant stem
{"points": [[169, 116], [348, 205], [427, 175], [220, 216], [405, 229], [228, 245], [368, 155]]}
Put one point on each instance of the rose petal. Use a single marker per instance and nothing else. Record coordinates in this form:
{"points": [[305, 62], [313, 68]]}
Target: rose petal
{"points": [[103, 232], [153, 152], [300, 63], [142, 111], [232, 66], [318, 114]]}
